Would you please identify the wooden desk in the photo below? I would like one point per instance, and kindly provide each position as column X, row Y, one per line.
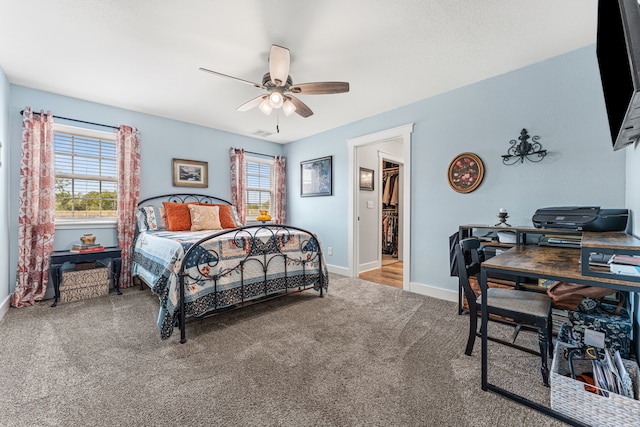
column 540, row 262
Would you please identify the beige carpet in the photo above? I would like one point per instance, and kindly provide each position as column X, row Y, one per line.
column 365, row 355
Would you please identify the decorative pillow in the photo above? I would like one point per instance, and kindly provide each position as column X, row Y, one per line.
column 204, row 217
column 178, row 216
column 226, row 218
column 236, row 219
column 151, row 218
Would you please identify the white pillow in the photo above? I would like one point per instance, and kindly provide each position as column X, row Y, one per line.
column 151, row 218
column 234, row 213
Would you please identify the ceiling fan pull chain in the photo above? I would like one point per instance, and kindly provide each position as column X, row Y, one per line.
column 277, row 122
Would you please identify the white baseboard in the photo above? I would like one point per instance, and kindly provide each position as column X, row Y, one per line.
column 432, row 291
column 4, row 307
column 339, row 270
column 368, row 266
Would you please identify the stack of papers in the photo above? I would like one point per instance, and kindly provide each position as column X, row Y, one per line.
column 610, row 375
column 507, row 236
column 625, row 264
column 628, row 270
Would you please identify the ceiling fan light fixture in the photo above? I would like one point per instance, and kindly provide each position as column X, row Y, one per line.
column 265, row 106
column 279, row 87
column 288, row 107
column 276, row 99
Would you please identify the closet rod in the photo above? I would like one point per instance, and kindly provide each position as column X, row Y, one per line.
column 79, row 121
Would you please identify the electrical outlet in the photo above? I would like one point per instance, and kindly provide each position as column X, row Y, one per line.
column 329, row 251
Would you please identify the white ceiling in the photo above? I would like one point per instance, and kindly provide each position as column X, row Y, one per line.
column 144, row 55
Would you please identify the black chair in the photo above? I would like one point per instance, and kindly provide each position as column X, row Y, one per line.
column 525, row 309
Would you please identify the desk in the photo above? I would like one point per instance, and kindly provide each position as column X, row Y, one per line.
column 539, row 262
column 58, row 258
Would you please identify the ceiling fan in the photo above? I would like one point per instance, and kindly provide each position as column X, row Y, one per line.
column 280, row 88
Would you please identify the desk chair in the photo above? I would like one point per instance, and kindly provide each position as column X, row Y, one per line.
column 527, row 310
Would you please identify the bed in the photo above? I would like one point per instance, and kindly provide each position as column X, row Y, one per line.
column 202, row 272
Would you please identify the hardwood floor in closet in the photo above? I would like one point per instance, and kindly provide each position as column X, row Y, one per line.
column 390, row 274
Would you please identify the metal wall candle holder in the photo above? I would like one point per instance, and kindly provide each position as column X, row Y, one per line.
column 524, row 149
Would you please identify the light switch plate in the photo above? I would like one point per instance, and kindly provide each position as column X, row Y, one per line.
column 370, row 204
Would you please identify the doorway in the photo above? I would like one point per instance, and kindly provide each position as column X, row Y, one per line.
column 366, row 259
column 389, row 265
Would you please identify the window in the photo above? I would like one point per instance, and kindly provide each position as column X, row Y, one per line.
column 85, row 174
column 259, row 186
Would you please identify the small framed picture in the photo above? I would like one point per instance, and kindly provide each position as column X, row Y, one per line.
column 315, row 177
column 366, row 179
column 190, row 173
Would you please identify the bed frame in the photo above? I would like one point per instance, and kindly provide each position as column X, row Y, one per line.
column 257, row 251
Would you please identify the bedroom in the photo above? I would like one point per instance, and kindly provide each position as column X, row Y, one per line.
column 558, row 98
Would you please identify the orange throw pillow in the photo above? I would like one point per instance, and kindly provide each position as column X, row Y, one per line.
column 178, row 216
column 225, row 215
column 226, row 218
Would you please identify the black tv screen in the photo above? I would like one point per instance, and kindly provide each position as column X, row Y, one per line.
column 618, row 52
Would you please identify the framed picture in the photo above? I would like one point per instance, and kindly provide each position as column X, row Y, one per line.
column 315, row 177
column 190, row 173
column 465, row 172
column 366, row 179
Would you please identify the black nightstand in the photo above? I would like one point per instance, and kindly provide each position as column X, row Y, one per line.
column 58, row 258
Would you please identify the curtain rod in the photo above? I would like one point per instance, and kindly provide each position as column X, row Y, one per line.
column 79, row 121
column 259, row 154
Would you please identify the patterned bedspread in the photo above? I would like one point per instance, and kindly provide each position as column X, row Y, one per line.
column 240, row 265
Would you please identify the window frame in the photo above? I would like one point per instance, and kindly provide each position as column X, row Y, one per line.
column 269, row 161
column 81, row 223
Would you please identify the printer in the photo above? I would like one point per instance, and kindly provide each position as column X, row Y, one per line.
column 582, row 218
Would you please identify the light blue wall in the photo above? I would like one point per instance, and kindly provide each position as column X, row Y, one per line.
column 559, row 99
column 4, row 190
column 161, row 140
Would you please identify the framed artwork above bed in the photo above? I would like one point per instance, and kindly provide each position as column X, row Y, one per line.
column 190, row 173
column 315, row 177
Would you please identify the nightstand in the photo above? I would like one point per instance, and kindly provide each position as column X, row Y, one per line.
column 58, row 258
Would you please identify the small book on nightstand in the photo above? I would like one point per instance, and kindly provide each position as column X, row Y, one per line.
column 81, row 249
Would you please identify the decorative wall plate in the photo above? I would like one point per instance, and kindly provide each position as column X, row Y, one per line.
column 465, row 172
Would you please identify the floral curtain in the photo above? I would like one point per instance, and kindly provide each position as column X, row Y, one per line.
column 37, row 208
column 128, row 158
column 280, row 198
column 238, row 194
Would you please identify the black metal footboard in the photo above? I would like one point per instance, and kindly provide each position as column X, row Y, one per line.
column 268, row 261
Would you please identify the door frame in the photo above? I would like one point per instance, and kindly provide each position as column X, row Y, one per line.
column 401, row 132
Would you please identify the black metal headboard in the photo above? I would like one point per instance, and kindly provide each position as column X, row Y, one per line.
column 185, row 198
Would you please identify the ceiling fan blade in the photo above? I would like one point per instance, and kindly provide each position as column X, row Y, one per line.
column 259, row 86
column 279, row 61
column 301, row 107
column 251, row 104
column 320, row 88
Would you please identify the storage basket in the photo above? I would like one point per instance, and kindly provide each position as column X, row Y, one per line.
column 83, row 284
column 569, row 397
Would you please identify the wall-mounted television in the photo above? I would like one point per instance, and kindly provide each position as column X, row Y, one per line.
column 618, row 52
